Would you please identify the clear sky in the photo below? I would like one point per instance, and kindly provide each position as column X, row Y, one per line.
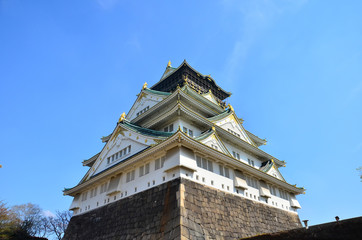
column 68, row 69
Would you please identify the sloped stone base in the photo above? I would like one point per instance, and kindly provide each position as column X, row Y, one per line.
column 180, row 209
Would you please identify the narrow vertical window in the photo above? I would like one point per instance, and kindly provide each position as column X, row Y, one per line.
column 163, row 159
column 198, row 161
column 157, row 164
column 147, row 168
column 221, row 169
column 227, row 174
column 209, row 166
column 141, row 171
column 204, row 163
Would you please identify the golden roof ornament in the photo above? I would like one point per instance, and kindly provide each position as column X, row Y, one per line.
column 144, row 85
column 185, row 79
column 169, row 64
column 213, row 128
column 230, row 107
column 123, row 116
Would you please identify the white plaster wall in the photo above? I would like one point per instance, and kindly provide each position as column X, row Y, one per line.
column 176, row 157
column 243, row 155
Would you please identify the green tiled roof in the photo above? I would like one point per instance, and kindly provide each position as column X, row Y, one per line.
column 204, row 135
column 145, row 131
column 156, row 92
column 221, row 115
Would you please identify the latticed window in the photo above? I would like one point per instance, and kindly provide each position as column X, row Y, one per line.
column 224, row 171
column 204, row 163
column 252, row 182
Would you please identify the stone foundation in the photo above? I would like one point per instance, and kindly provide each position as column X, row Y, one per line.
column 180, row 209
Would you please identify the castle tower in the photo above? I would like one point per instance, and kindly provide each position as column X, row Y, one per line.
column 180, row 165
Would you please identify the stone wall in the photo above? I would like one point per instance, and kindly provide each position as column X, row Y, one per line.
column 180, row 209
column 349, row 229
column 152, row 214
column 212, row 214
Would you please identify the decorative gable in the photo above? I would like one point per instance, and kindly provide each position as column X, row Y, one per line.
column 212, row 140
column 125, row 141
column 228, row 121
column 145, row 100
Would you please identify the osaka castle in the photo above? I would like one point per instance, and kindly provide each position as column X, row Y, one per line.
column 180, row 165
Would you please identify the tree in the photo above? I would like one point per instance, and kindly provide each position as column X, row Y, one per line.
column 59, row 223
column 8, row 221
column 32, row 220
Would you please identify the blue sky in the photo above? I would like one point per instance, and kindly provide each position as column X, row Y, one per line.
column 68, row 69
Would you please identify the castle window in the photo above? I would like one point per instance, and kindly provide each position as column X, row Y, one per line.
column 204, row 163
column 119, row 154
column 141, row 171
column 103, row 187
column 185, row 129
column 84, row 196
column 191, row 133
column 214, row 146
column 93, row 192
column 272, row 190
column 224, row 171
column 252, row 182
column 284, row 194
column 168, row 128
column 234, row 133
column 236, row 155
column 130, row 176
column 251, row 162
column 147, row 168
column 143, row 110
column 159, row 162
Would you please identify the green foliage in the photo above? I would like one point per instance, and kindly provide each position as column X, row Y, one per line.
column 360, row 170
column 9, row 223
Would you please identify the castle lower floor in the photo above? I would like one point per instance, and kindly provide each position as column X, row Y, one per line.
column 180, row 209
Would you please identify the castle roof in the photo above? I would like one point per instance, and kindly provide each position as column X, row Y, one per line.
column 174, row 77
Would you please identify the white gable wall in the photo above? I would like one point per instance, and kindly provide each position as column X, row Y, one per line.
column 230, row 123
column 147, row 100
